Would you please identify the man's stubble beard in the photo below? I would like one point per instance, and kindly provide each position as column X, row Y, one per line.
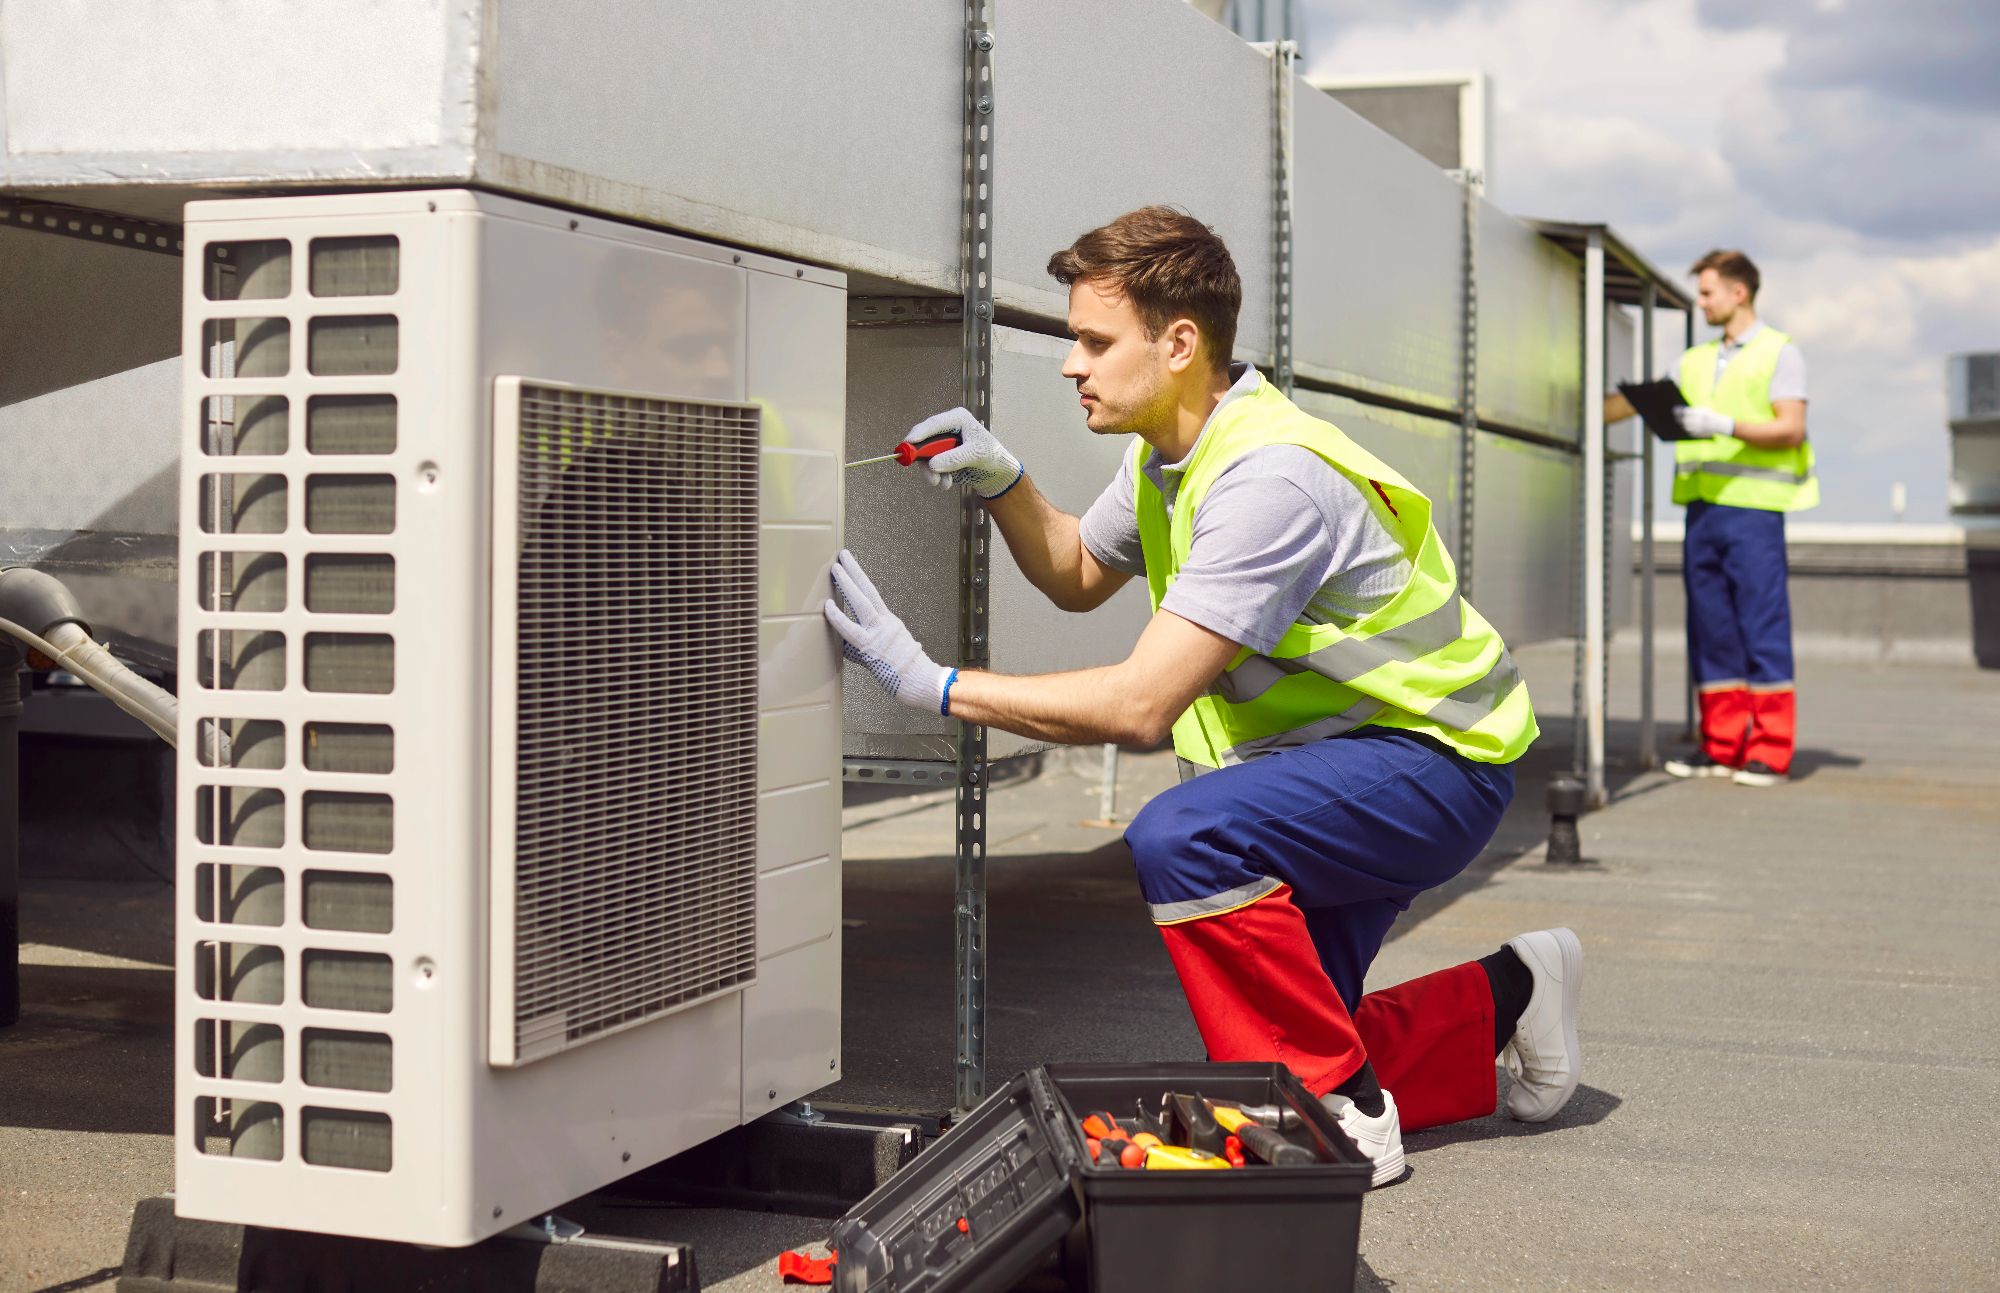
column 1152, row 411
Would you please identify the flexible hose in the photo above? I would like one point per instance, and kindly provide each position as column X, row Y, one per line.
column 69, row 646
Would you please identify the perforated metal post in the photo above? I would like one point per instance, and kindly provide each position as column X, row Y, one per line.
column 974, row 534
column 1468, row 408
column 1284, row 57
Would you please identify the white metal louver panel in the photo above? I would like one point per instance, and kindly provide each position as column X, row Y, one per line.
column 625, row 710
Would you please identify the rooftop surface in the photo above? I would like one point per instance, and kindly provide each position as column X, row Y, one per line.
column 1790, row 1019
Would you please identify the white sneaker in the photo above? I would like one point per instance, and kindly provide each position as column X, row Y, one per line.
column 1697, row 764
column 1379, row 1138
column 1543, row 1054
column 1758, row 773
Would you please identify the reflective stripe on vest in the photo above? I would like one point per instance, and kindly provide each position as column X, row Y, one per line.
column 1426, row 662
column 1743, row 469
column 1723, row 469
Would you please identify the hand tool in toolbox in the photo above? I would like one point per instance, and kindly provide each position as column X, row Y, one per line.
column 1026, row 1173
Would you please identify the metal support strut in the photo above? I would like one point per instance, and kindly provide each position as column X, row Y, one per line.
column 1589, row 751
column 1468, row 406
column 11, row 680
column 1649, row 753
column 1692, row 731
column 974, row 535
column 1284, row 56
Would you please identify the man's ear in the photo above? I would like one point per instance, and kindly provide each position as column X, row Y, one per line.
column 1183, row 344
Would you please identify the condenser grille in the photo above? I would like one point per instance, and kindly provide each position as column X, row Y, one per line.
column 635, row 852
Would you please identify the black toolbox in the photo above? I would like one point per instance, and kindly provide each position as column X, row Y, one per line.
column 981, row 1207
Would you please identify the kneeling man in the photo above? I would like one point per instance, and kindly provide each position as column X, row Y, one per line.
column 1346, row 722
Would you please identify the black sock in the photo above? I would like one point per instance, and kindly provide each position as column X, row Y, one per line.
column 1364, row 1090
column 1512, row 983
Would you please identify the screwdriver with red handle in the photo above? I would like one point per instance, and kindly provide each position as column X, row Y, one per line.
column 907, row 453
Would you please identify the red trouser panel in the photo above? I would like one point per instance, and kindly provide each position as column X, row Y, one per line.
column 1254, row 982
column 1431, row 1042
column 1773, row 718
column 1725, row 721
column 1739, row 724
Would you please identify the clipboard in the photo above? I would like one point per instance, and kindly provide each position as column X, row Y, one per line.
column 1655, row 403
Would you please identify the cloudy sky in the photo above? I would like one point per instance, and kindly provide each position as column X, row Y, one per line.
column 1852, row 147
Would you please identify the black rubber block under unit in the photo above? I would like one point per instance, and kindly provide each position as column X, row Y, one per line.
column 1012, row 1179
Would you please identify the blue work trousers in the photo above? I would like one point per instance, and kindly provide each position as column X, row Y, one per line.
column 1357, row 825
column 1739, row 613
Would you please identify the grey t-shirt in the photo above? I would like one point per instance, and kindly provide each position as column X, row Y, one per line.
column 1279, row 537
column 1788, row 380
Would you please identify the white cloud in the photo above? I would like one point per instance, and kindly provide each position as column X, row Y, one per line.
column 1853, row 149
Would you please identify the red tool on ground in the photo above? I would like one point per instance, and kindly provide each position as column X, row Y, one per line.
column 805, row 1268
column 907, row 453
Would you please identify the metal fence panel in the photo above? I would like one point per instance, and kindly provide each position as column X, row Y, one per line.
column 1524, row 560
column 1065, row 164
column 1530, row 329
column 1376, row 259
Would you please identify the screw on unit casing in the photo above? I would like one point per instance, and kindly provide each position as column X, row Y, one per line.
column 986, row 103
column 984, row 40
column 1565, row 806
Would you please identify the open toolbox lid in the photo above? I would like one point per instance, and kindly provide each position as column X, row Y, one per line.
column 976, row 1210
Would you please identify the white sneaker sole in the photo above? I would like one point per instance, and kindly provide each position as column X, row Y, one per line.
column 1757, row 779
column 1676, row 768
column 1570, row 952
column 1392, row 1166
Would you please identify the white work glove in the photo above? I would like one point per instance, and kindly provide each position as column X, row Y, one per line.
column 881, row 644
column 1699, row 421
column 979, row 461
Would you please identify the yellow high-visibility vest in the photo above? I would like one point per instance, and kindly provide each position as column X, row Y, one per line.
column 1724, row 469
column 1426, row 662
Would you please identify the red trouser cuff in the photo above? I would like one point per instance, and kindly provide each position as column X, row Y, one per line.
column 1254, row 982
column 1431, row 1042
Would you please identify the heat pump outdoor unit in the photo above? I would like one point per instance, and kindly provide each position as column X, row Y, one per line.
column 509, row 757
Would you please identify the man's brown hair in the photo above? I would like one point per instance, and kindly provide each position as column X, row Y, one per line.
column 1170, row 266
column 1732, row 265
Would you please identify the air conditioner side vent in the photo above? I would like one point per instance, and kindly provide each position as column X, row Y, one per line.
column 634, row 574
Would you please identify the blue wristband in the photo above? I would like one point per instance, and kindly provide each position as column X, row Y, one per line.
column 944, row 701
column 1017, row 480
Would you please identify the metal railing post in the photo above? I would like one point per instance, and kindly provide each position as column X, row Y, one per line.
column 10, row 831
column 1692, row 732
column 1468, row 399
column 1593, row 518
column 1649, row 756
column 974, row 534
column 1284, row 55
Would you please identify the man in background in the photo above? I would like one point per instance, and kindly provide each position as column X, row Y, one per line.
column 1747, row 466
